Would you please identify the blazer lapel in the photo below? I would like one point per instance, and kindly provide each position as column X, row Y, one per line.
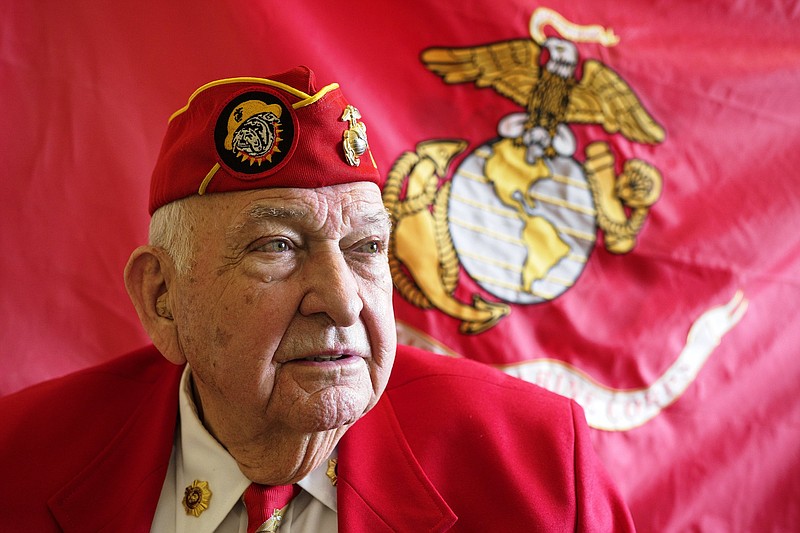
column 381, row 486
column 119, row 490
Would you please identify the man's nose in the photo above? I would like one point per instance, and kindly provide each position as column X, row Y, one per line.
column 332, row 289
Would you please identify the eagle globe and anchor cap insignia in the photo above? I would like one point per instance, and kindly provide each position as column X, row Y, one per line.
column 354, row 138
column 255, row 134
column 524, row 195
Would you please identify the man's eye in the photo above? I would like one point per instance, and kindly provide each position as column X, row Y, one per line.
column 276, row 246
column 372, row 247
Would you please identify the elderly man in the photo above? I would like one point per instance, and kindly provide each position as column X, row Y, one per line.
column 266, row 400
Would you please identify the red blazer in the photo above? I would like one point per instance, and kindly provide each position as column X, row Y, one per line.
column 451, row 446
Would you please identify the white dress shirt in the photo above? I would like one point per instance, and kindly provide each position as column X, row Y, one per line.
column 196, row 455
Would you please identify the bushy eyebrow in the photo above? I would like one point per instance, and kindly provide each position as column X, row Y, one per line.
column 258, row 212
column 380, row 217
column 261, row 212
column 266, row 212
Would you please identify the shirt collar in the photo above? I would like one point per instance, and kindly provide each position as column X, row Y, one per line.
column 319, row 485
column 199, row 456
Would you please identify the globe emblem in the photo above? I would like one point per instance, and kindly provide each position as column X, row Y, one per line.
column 493, row 238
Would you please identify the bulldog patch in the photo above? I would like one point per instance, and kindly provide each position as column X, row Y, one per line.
column 255, row 134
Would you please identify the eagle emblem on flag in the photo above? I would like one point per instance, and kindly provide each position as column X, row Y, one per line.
column 521, row 212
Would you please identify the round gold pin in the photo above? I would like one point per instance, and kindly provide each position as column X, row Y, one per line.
column 196, row 498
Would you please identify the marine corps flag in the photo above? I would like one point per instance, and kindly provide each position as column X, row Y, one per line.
column 598, row 197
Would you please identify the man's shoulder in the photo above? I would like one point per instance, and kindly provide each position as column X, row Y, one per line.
column 94, row 398
column 463, row 385
column 454, row 412
column 487, row 440
column 68, row 426
column 113, row 377
column 414, row 364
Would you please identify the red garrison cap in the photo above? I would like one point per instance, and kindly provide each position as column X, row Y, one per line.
column 253, row 133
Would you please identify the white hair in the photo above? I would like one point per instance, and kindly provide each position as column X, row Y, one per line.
column 172, row 228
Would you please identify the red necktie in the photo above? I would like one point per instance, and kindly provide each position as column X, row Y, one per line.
column 262, row 502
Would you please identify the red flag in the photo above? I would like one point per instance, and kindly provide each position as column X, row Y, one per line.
column 596, row 197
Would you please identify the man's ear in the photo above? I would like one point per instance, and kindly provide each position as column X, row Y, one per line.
column 148, row 276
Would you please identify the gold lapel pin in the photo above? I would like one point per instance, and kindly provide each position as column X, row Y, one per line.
column 196, row 498
column 332, row 471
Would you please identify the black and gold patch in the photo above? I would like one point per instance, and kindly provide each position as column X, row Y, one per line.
column 255, row 134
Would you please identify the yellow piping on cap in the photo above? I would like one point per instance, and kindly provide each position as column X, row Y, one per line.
column 204, row 184
column 306, row 99
column 311, row 99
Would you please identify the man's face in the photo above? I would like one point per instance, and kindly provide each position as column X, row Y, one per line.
column 286, row 314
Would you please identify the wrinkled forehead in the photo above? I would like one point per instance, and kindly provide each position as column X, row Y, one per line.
column 353, row 205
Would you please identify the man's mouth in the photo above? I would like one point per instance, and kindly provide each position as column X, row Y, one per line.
column 324, row 358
